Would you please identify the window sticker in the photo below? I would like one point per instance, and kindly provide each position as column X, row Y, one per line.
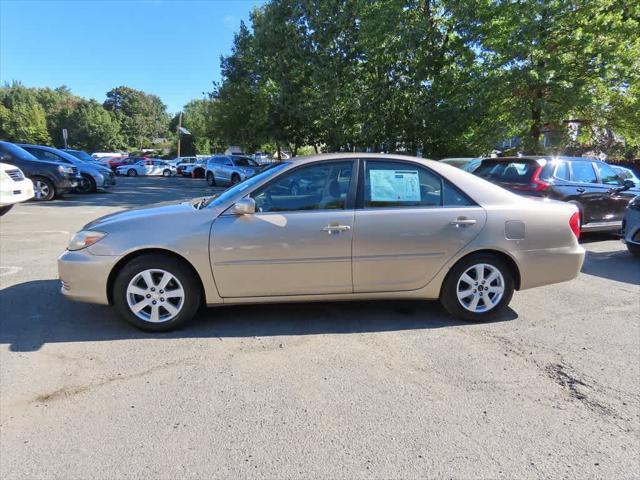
column 394, row 185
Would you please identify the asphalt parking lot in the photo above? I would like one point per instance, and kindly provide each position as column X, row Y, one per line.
column 354, row 390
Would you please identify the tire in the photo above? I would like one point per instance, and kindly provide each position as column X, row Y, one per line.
column 235, row 179
column 132, row 278
column 166, row 173
column 87, row 184
column 211, row 179
column 44, row 189
column 4, row 210
column 198, row 173
column 132, row 173
column 633, row 249
column 463, row 309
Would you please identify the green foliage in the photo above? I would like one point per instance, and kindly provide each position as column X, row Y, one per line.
column 22, row 118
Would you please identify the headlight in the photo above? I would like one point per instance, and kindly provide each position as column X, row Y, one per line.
column 84, row 239
column 65, row 169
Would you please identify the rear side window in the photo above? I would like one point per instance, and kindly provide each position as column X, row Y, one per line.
column 397, row 184
column 562, row 171
column 518, row 171
column 454, row 197
column 608, row 175
column 583, row 172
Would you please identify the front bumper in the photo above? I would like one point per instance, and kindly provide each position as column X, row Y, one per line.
column 631, row 226
column 68, row 184
column 84, row 276
column 15, row 192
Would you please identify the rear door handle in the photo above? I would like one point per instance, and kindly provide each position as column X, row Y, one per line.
column 331, row 229
column 580, row 190
column 463, row 222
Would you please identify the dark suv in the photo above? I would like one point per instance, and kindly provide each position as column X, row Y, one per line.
column 50, row 179
column 594, row 186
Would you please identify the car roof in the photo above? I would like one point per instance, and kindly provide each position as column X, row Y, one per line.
column 543, row 157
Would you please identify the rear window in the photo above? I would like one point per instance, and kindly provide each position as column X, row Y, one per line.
column 516, row 171
column 15, row 151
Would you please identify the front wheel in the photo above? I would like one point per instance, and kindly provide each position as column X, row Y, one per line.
column 166, row 173
column 477, row 288
column 43, row 189
column 156, row 293
column 4, row 210
column 211, row 180
column 87, row 184
column 633, row 249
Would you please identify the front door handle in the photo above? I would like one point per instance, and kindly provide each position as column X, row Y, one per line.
column 331, row 229
column 580, row 190
column 463, row 222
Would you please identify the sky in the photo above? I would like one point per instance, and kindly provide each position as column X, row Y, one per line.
column 170, row 48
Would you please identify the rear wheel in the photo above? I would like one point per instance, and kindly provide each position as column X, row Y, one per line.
column 235, row 179
column 132, row 173
column 211, row 179
column 477, row 288
column 87, row 184
column 43, row 189
column 5, row 209
column 166, row 173
column 156, row 293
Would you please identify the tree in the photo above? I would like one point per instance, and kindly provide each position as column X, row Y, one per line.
column 91, row 127
column 22, row 118
column 142, row 116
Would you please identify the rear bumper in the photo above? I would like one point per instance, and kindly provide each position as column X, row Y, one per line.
column 84, row 276
column 547, row 266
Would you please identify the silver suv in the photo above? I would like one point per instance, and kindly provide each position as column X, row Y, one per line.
column 230, row 169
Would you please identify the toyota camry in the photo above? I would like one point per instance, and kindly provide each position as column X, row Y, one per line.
column 357, row 226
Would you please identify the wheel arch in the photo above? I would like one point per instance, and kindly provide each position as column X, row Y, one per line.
column 513, row 266
column 145, row 251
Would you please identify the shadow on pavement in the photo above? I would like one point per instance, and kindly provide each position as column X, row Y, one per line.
column 35, row 313
column 620, row 266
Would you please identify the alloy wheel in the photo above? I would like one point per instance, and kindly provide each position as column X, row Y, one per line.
column 155, row 296
column 41, row 189
column 480, row 288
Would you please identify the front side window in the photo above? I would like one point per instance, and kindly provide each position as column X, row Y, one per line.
column 583, row 172
column 398, row 184
column 321, row 186
column 608, row 175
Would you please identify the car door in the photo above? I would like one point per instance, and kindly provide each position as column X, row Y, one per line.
column 408, row 223
column 226, row 167
column 617, row 198
column 293, row 245
column 588, row 193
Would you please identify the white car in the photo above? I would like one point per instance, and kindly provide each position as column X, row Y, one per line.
column 147, row 167
column 14, row 187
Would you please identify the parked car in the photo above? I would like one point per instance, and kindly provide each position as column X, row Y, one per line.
column 14, row 187
column 404, row 228
column 178, row 161
column 93, row 175
column 590, row 184
column 230, row 169
column 84, row 156
column 99, row 155
column 147, row 167
column 626, row 174
column 117, row 162
column 262, row 158
column 458, row 162
column 631, row 227
column 50, row 178
column 196, row 169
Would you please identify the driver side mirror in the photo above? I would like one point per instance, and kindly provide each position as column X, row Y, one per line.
column 244, row 206
column 628, row 184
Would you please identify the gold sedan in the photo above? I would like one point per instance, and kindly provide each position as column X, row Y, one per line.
column 327, row 227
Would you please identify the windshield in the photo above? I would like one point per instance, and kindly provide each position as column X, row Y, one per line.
column 242, row 186
column 84, row 156
column 245, row 162
column 516, row 171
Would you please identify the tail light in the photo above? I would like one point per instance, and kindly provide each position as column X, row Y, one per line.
column 574, row 224
column 537, row 184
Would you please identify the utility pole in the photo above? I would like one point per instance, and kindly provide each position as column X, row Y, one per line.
column 179, row 131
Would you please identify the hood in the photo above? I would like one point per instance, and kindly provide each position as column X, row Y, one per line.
column 160, row 212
